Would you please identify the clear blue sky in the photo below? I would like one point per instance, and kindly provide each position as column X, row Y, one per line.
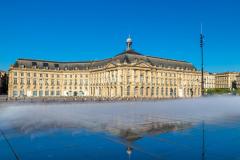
column 72, row 30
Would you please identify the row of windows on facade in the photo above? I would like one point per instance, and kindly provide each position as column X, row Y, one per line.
column 40, row 93
column 37, row 93
column 46, row 66
column 141, row 80
column 161, row 81
column 164, row 92
column 113, row 79
column 147, row 74
column 22, row 74
column 128, row 77
column 52, row 87
column 53, row 81
column 94, row 75
column 81, row 82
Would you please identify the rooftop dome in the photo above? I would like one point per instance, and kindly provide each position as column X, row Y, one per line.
column 129, row 40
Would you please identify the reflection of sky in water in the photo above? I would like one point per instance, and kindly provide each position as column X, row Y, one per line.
column 101, row 133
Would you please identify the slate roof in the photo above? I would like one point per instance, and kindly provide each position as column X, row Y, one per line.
column 129, row 56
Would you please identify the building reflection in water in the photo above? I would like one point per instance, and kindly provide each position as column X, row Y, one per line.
column 130, row 135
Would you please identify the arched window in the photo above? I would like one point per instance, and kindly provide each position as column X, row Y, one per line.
column 152, row 91
column 162, row 91
column 157, row 90
column 128, row 90
column 141, row 91
column 171, row 92
column 147, row 91
column 100, row 91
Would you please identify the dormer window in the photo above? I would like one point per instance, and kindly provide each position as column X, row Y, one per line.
column 65, row 68
column 45, row 66
column 56, row 66
column 34, row 65
column 22, row 66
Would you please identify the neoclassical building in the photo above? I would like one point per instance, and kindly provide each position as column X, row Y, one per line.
column 238, row 80
column 127, row 74
column 225, row 79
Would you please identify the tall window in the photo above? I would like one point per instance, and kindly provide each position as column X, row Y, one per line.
column 40, row 93
column 47, row 93
column 141, row 78
column 34, row 81
column 171, row 92
column 58, row 93
column 52, row 82
column 128, row 79
column 28, row 81
column 21, row 93
column 157, row 90
column 152, row 91
column 35, row 93
column 15, row 93
column 141, row 91
column 15, row 81
column 40, row 81
column 162, row 91
column 128, row 90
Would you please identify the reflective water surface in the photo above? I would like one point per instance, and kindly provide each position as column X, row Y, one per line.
column 133, row 133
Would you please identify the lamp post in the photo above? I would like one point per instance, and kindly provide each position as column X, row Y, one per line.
column 202, row 64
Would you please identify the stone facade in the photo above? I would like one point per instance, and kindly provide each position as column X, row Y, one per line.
column 3, row 82
column 225, row 80
column 209, row 80
column 128, row 74
column 238, row 80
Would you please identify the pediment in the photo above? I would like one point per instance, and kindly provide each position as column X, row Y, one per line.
column 143, row 64
column 110, row 65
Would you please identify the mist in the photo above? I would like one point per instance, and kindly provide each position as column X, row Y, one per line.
column 115, row 116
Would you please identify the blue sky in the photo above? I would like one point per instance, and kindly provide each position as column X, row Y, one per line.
column 73, row 30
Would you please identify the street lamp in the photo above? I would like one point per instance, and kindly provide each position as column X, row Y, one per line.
column 201, row 46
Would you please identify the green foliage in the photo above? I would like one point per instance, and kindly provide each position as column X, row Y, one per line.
column 238, row 91
column 218, row 91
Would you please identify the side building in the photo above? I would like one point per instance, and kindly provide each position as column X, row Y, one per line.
column 128, row 74
column 3, row 82
column 226, row 79
column 238, row 81
column 209, row 80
